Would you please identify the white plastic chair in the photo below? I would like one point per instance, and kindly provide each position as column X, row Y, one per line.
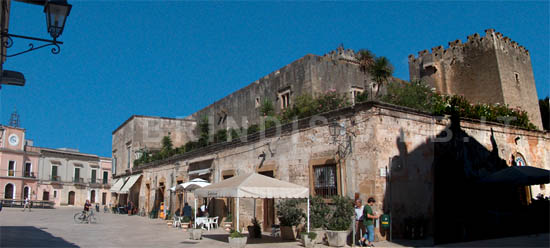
column 213, row 221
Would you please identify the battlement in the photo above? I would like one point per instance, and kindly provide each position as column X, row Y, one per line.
column 489, row 41
column 341, row 54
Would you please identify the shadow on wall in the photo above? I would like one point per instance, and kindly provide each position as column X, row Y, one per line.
column 435, row 191
column 29, row 236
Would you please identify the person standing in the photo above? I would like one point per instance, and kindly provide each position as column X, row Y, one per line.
column 368, row 220
column 359, row 226
column 27, row 204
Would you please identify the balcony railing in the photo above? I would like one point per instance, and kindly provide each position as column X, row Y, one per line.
column 55, row 178
column 28, row 174
column 93, row 180
column 78, row 180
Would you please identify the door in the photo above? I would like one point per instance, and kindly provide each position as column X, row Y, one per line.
column 269, row 207
column 71, row 198
column 76, row 175
column 92, row 196
column 8, row 191
column 54, row 173
column 46, row 196
column 104, row 198
column 94, row 176
column 25, row 192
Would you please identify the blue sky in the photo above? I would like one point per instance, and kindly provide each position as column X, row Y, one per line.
column 173, row 58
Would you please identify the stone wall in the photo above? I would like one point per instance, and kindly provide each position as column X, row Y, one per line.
column 310, row 74
column 387, row 139
column 145, row 132
column 469, row 69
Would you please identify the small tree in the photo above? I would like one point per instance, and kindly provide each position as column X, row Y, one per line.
column 318, row 212
column 342, row 213
column 289, row 213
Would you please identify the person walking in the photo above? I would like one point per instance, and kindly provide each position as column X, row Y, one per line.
column 27, row 204
column 368, row 219
column 359, row 226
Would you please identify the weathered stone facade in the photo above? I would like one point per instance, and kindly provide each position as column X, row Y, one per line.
column 386, row 139
column 310, row 74
column 146, row 132
column 490, row 69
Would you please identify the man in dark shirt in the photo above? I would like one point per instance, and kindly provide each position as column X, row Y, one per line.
column 187, row 211
column 87, row 206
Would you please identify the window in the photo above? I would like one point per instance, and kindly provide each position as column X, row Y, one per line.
column 355, row 91
column 55, row 194
column 76, row 175
column 128, row 158
column 113, row 167
column 28, row 169
column 325, row 181
column 11, row 168
column 105, row 177
column 284, row 97
column 54, row 173
column 258, row 104
column 516, row 76
column 94, row 176
column 222, row 116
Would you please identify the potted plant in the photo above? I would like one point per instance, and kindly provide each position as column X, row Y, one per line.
column 318, row 216
column 289, row 215
column 340, row 221
column 255, row 231
column 196, row 233
column 236, row 239
column 169, row 220
column 228, row 222
column 308, row 239
column 185, row 222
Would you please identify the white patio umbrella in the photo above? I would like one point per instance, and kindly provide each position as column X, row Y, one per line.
column 254, row 185
column 192, row 185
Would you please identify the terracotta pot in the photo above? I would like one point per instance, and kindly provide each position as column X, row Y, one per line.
column 320, row 235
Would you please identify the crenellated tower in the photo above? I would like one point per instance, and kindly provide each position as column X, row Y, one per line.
column 489, row 69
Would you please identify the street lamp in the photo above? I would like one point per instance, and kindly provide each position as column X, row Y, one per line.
column 56, row 12
column 341, row 137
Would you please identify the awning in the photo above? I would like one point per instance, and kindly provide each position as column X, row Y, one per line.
column 133, row 179
column 118, row 184
column 253, row 185
column 200, row 172
column 519, row 176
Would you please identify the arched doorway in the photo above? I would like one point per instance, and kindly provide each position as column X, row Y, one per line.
column 26, row 192
column 92, row 196
column 9, row 191
column 71, row 198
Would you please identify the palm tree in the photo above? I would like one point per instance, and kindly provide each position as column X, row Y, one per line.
column 365, row 58
column 381, row 70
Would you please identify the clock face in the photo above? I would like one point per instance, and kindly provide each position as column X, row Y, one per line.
column 13, row 139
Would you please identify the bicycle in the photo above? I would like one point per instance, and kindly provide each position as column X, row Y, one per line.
column 82, row 217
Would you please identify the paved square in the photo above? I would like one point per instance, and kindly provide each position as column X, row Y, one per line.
column 56, row 228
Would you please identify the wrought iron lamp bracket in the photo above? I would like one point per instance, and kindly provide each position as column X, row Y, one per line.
column 7, row 42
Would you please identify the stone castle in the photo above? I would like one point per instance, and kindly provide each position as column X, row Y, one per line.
column 490, row 69
column 383, row 139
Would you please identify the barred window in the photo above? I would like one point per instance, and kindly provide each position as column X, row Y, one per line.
column 325, row 183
